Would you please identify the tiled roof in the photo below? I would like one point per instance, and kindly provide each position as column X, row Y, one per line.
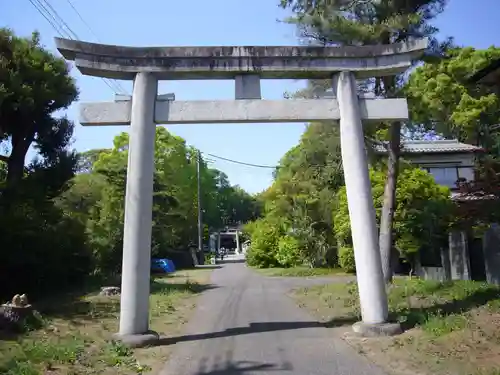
column 433, row 147
column 476, row 196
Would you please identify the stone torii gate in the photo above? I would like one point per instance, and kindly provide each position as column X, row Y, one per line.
column 246, row 66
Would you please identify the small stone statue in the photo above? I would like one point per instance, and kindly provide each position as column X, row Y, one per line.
column 110, row 291
column 16, row 300
column 15, row 312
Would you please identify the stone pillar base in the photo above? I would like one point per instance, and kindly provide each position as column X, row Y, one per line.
column 377, row 330
column 139, row 340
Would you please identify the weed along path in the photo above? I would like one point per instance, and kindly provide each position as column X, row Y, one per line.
column 74, row 336
column 452, row 328
column 246, row 324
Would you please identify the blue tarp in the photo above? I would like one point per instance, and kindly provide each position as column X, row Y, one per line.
column 163, row 265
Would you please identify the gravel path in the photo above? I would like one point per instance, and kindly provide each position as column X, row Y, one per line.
column 247, row 325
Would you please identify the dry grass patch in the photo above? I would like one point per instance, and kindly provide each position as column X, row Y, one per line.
column 451, row 328
column 301, row 272
column 75, row 336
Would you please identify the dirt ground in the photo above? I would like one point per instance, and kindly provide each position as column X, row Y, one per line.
column 451, row 328
column 75, row 336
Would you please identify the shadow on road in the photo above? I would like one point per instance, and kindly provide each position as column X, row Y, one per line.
column 229, row 260
column 241, row 367
column 231, row 367
column 258, row 327
column 191, row 287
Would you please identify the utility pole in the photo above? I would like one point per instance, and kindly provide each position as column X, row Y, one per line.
column 200, row 219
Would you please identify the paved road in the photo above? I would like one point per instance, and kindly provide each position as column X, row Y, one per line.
column 247, row 325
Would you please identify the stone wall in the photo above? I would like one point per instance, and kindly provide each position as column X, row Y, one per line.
column 458, row 256
column 491, row 251
column 456, row 264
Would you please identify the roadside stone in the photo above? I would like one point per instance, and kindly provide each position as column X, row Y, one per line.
column 15, row 313
column 110, row 291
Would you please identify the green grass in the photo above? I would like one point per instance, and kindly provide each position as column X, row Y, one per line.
column 452, row 326
column 76, row 339
column 300, row 271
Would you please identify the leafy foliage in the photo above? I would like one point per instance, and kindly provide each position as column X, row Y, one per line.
column 423, row 211
column 174, row 201
column 265, row 234
column 443, row 96
column 61, row 216
column 346, row 258
column 301, row 197
column 288, row 254
column 35, row 84
column 358, row 23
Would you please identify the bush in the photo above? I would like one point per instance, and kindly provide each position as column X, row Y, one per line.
column 346, row 259
column 288, row 254
column 422, row 213
column 265, row 236
column 42, row 249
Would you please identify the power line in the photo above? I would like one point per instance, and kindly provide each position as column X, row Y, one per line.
column 49, row 20
column 115, row 84
column 64, row 30
column 243, row 163
column 82, row 19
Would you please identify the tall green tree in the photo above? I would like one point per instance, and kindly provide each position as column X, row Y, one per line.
column 443, row 97
column 96, row 197
column 34, row 85
column 41, row 243
column 301, row 199
column 422, row 215
column 372, row 22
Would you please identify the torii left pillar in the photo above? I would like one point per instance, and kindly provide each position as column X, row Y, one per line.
column 136, row 266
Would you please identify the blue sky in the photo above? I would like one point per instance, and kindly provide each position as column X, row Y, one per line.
column 215, row 22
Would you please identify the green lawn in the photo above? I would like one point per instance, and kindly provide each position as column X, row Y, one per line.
column 300, row 271
column 75, row 337
column 451, row 328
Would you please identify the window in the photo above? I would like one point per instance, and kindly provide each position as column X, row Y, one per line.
column 467, row 173
column 445, row 176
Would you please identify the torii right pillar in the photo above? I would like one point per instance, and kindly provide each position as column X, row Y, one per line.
column 371, row 287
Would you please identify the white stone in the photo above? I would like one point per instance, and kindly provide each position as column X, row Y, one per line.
column 242, row 111
column 372, row 294
column 134, row 306
column 227, row 62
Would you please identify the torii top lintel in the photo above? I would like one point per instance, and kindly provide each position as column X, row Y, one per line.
column 219, row 62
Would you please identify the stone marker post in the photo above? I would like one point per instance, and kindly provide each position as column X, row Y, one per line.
column 238, row 248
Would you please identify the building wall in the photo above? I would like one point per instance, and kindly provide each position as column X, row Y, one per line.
column 460, row 159
column 446, row 168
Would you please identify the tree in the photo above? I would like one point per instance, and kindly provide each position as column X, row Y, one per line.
column 442, row 96
column 61, row 215
column 351, row 22
column 87, row 159
column 422, row 214
column 96, row 197
column 35, row 84
column 299, row 203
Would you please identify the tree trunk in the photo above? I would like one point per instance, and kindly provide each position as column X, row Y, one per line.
column 387, row 217
column 15, row 163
